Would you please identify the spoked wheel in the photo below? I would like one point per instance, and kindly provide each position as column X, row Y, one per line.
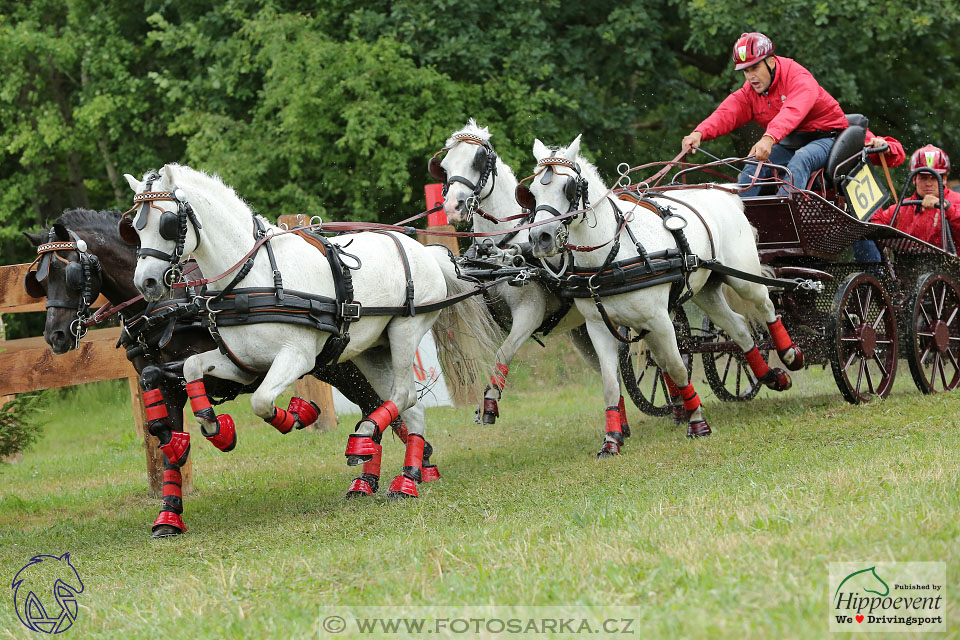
column 862, row 338
column 642, row 377
column 933, row 349
column 728, row 373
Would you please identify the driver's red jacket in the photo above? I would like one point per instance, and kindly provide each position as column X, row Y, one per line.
column 924, row 223
column 795, row 101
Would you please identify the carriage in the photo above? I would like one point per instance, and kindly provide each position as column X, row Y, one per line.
column 861, row 318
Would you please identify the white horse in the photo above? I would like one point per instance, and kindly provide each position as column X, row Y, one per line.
column 478, row 185
column 563, row 181
column 183, row 211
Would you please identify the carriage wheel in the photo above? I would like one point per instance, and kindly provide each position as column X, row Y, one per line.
column 933, row 349
column 642, row 377
column 862, row 337
column 728, row 373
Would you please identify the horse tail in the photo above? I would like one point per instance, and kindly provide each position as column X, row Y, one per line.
column 466, row 335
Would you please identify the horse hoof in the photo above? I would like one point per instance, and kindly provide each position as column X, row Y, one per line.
column 608, row 450
column 777, row 379
column 488, row 418
column 797, row 363
column 698, row 429
column 165, row 531
column 362, row 487
column 430, row 473
column 402, row 487
column 360, row 449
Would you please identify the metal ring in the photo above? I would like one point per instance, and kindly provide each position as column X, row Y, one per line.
column 283, row 225
column 318, row 219
column 172, row 276
column 212, row 312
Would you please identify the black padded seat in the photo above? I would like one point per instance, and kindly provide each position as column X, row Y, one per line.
column 850, row 141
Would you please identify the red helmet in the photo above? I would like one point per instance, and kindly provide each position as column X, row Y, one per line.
column 932, row 157
column 751, row 48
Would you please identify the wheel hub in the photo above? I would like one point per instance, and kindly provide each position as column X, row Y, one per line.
column 941, row 335
column 868, row 340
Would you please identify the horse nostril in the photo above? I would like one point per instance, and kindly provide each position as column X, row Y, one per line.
column 150, row 283
column 58, row 337
column 460, row 204
column 545, row 240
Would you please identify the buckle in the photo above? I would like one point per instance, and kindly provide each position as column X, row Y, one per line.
column 350, row 311
column 691, row 262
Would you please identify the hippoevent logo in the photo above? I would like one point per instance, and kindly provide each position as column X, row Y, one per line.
column 888, row 596
column 742, row 52
column 45, row 593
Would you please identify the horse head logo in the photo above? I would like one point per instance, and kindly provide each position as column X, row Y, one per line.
column 866, row 580
column 44, row 580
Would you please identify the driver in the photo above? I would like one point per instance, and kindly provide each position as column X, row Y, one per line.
column 923, row 221
column 801, row 119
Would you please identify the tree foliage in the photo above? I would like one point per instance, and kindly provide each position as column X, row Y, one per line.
column 333, row 108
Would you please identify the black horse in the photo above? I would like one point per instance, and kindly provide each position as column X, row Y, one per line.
column 81, row 256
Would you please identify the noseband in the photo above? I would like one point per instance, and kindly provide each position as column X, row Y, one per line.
column 173, row 226
column 484, row 161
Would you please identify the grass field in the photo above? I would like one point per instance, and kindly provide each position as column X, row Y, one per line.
column 725, row 537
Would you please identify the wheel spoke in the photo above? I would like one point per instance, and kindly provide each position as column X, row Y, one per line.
column 726, row 370
column 863, row 364
column 933, row 372
column 923, row 310
column 943, row 373
column 883, row 310
column 739, row 375
column 953, row 315
column 849, row 362
column 866, row 305
column 866, row 370
column 943, row 295
column 883, row 369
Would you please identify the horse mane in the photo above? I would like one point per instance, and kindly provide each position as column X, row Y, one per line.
column 90, row 219
column 213, row 185
column 472, row 129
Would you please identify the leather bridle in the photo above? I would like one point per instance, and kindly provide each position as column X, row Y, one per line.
column 484, row 162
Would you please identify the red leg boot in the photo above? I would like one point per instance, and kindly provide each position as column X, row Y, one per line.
column 613, row 439
column 361, row 448
column 773, row 378
column 405, row 484
column 696, row 428
column 299, row 414
column 170, row 521
column 367, row 483
column 789, row 353
column 224, row 435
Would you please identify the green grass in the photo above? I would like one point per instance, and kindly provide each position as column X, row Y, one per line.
column 724, row 537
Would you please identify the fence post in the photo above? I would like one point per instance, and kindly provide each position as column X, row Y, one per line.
column 151, row 446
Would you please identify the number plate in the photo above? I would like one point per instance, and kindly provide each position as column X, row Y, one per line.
column 864, row 192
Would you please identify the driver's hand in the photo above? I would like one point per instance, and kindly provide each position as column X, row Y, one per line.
column 930, row 202
column 761, row 150
column 693, row 140
column 876, row 142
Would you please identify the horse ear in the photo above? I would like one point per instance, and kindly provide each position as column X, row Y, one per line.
column 540, row 150
column 135, row 184
column 61, row 231
column 66, row 556
column 36, row 239
column 573, row 150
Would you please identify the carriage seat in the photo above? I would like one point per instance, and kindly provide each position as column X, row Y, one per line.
column 850, row 141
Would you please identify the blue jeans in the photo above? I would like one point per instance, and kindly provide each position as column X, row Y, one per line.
column 801, row 163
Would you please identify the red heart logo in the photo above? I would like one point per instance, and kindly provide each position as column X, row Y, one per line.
column 859, row 618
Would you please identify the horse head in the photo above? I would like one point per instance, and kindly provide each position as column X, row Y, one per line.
column 558, row 187
column 468, row 170
column 164, row 224
column 70, row 278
